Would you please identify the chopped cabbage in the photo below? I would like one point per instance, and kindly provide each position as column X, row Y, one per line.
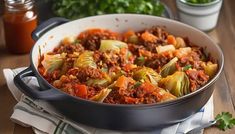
column 148, row 74
column 169, row 68
column 101, row 95
column 114, row 45
column 53, row 62
column 85, row 60
column 177, row 83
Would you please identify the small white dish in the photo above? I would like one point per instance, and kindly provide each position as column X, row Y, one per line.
column 201, row 16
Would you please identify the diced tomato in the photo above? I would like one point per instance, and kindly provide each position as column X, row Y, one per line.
column 130, row 100
column 80, row 90
column 123, row 50
column 148, row 87
column 146, row 36
column 122, row 82
column 128, row 34
column 95, row 31
column 171, row 40
column 145, row 53
column 129, row 67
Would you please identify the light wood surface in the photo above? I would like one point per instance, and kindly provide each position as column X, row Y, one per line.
column 224, row 94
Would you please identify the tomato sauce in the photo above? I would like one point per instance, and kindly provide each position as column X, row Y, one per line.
column 18, row 26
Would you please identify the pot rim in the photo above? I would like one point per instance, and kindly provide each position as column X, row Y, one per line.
column 200, row 5
column 140, row 106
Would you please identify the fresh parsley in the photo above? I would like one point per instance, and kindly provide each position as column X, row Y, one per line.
column 77, row 42
column 187, row 67
column 74, row 9
column 225, row 121
column 137, row 84
column 140, row 61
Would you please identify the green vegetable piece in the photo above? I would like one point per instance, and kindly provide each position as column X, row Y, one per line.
column 85, row 60
column 140, row 61
column 133, row 39
column 99, row 82
column 115, row 76
column 137, row 84
column 114, row 45
column 187, row 67
column 104, row 69
column 147, row 74
column 128, row 54
column 166, row 96
column 53, row 62
column 169, row 68
column 177, row 83
column 225, row 121
column 210, row 69
column 77, row 42
column 101, row 95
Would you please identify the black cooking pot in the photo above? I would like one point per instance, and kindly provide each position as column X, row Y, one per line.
column 116, row 116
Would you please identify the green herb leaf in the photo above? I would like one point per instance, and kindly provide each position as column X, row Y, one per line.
column 140, row 61
column 77, row 42
column 225, row 121
column 137, row 84
column 187, row 67
column 74, row 9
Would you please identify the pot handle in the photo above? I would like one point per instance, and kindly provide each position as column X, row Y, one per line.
column 50, row 94
column 47, row 25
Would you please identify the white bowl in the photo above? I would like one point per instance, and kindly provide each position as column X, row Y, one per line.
column 201, row 16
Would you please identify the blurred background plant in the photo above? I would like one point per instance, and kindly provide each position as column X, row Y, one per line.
column 73, row 9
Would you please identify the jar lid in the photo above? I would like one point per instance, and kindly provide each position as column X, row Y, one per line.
column 18, row 5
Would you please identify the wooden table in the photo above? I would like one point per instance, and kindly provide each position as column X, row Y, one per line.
column 224, row 94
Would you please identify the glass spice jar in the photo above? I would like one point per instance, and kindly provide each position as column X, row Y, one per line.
column 19, row 20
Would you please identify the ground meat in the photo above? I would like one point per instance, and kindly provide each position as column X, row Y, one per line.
column 149, row 98
column 161, row 35
column 68, row 48
column 135, row 48
column 109, row 59
column 160, row 32
column 131, row 96
column 114, row 98
column 157, row 61
column 92, row 91
column 193, row 58
column 91, row 38
column 197, row 78
column 83, row 74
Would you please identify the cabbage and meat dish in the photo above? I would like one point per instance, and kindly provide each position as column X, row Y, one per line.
column 134, row 67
